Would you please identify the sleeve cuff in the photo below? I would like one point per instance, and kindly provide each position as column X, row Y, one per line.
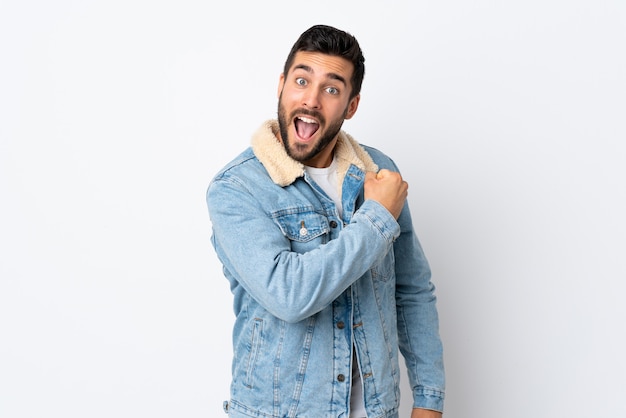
column 428, row 399
column 381, row 218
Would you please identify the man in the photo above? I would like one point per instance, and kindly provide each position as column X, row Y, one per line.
column 316, row 239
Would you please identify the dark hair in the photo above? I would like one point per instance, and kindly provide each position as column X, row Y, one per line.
column 331, row 41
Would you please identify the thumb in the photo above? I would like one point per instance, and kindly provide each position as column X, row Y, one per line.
column 382, row 174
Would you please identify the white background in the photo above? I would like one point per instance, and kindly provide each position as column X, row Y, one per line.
column 507, row 119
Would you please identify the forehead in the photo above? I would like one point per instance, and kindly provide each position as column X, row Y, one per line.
column 323, row 65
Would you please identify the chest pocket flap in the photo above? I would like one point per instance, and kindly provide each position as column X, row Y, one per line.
column 302, row 225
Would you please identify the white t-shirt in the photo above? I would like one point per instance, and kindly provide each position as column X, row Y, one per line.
column 357, row 405
column 326, row 178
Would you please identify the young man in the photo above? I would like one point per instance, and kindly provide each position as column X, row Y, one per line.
column 316, row 239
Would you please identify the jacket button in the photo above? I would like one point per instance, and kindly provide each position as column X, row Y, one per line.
column 341, row 378
column 341, row 325
column 333, row 224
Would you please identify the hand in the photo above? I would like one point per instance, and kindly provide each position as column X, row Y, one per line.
column 388, row 189
column 425, row 413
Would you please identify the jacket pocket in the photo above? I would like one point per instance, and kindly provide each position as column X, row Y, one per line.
column 256, row 340
column 305, row 228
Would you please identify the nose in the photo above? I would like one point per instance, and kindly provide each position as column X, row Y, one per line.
column 310, row 99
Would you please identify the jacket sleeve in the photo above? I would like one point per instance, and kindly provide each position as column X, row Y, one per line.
column 418, row 323
column 290, row 285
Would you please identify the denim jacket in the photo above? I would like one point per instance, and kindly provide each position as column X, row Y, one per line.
column 309, row 285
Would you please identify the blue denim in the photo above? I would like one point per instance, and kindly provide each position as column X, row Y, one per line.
column 309, row 286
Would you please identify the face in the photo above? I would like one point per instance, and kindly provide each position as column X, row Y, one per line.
column 313, row 101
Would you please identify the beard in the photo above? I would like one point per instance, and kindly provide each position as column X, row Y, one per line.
column 301, row 152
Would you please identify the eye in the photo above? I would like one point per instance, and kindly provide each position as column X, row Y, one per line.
column 300, row 81
column 332, row 90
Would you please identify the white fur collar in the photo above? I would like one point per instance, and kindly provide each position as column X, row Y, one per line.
column 284, row 170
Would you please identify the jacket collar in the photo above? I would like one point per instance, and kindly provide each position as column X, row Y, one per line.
column 283, row 170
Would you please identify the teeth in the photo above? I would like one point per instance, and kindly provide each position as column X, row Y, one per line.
column 306, row 120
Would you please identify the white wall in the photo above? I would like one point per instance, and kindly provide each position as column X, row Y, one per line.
column 507, row 118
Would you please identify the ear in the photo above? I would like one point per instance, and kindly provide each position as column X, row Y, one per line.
column 281, row 83
column 353, row 106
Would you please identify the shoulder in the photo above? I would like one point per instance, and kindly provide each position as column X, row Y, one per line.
column 380, row 158
column 238, row 166
column 244, row 173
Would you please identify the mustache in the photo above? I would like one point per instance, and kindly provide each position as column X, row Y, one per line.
column 307, row 112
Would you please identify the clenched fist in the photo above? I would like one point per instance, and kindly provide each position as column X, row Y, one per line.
column 387, row 188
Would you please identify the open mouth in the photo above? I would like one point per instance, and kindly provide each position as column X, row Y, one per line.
column 305, row 127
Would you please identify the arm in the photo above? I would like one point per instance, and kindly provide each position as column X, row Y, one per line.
column 418, row 323
column 292, row 286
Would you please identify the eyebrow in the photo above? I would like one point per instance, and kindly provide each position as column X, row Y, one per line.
column 333, row 76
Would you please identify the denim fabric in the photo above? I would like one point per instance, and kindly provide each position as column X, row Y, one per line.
column 308, row 286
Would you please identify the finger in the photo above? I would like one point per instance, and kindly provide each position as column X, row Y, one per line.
column 382, row 173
